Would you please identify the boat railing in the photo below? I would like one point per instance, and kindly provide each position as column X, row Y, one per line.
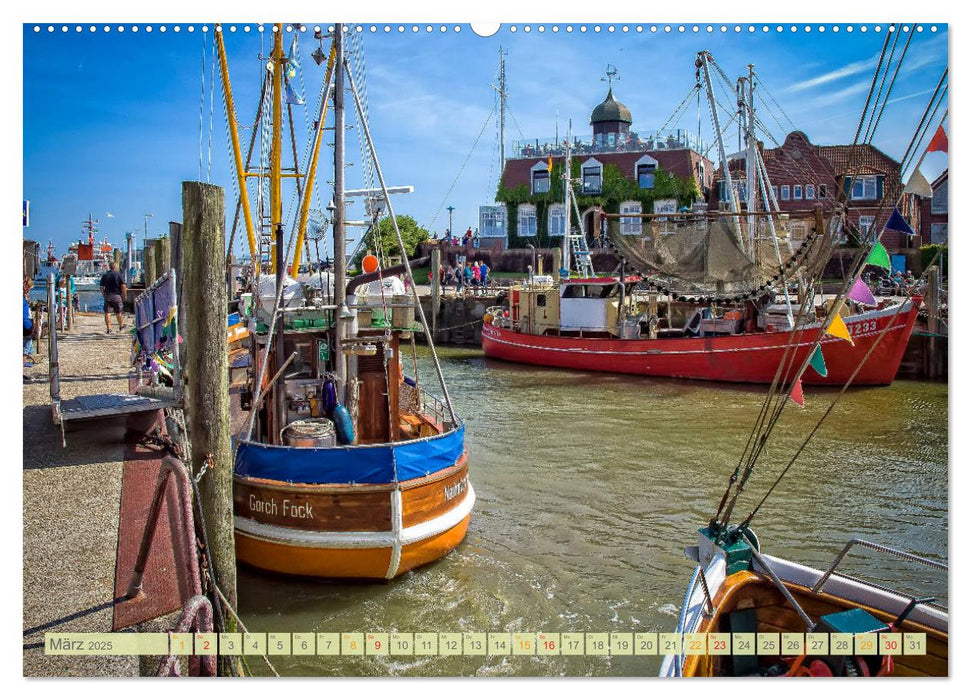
column 433, row 407
column 883, row 549
column 497, row 318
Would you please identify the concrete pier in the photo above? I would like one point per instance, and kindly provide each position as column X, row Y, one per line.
column 71, row 506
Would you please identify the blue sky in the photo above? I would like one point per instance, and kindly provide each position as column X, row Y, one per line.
column 112, row 120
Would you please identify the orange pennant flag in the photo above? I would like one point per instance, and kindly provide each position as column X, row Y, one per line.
column 796, row 393
column 550, row 165
column 939, row 142
column 838, row 329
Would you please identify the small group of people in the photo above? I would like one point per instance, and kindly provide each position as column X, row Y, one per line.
column 465, row 275
column 896, row 283
column 469, row 238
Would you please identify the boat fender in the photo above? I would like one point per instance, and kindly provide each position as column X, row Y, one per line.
column 329, row 397
column 343, row 425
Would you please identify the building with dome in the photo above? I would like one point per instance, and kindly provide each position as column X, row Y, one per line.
column 616, row 169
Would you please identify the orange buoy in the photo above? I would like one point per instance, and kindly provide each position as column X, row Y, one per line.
column 369, row 264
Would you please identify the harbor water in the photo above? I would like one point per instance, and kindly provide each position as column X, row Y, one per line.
column 90, row 300
column 589, row 486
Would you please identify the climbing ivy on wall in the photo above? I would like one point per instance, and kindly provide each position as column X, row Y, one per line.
column 615, row 189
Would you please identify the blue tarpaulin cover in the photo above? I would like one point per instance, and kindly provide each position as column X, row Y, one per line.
column 357, row 464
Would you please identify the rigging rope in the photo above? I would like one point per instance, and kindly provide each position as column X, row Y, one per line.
column 462, row 167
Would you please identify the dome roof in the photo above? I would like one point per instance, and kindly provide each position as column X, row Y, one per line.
column 610, row 110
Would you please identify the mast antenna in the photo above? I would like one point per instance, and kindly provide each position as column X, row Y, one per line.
column 503, row 96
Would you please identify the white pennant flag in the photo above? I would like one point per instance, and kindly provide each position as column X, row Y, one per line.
column 917, row 184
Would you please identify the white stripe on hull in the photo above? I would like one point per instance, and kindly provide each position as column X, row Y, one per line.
column 396, row 539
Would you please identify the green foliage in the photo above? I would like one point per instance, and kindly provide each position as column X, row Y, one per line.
column 927, row 254
column 615, row 189
column 384, row 243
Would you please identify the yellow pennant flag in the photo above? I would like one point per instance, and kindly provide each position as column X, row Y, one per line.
column 838, row 328
column 550, row 165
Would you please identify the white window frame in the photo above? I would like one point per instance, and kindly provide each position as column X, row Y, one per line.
column 775, row 192
column 810, row 191
column 556, row 212
column 540, row 167
column 630, row 225
column 525, row 213
column 865, row 225
column 865, row 182
column 784, row 191
column 648, row 161
column 797, row 191
column 939, row 200
column 590, row 164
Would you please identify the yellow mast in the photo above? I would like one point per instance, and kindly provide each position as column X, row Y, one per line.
column 311, row 173
column 237, row 153
column 276, row 196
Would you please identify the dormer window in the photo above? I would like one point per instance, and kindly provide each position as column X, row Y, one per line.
column 810, row 192
column 644, row 171
column 864, row 187
column 785, row 192
column 540, row 178
column 797, row 191
column 592, row 172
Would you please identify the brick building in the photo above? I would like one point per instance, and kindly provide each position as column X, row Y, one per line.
column 617, row 169
column 804, row 175
column 933, row 217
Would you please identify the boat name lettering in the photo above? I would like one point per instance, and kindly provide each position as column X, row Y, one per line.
column 290, row 510
column 455, row 489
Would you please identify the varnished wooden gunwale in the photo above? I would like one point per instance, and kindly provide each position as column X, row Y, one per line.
column 774, row 614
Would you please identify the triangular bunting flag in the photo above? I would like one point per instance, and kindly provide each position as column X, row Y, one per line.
column 879, row 256
column 898, row 223
column 861, row 294
column 838, row 329
column 549, row 164
column 796, row 393
column 817, row 362
column 939, row 142
column 918, row 184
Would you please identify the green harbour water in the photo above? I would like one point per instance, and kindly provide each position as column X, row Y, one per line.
column 588, row 488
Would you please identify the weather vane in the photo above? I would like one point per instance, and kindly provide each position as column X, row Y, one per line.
column 611, row 75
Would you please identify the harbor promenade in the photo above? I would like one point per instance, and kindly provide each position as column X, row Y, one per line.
column 72, row 505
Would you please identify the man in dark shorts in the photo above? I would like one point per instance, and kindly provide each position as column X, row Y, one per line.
column 113, row 289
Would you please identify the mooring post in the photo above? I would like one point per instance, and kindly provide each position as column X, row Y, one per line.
column 70, row 302
column 163, row 258
column 148, row 262
column 207, row 369
column 436, row 289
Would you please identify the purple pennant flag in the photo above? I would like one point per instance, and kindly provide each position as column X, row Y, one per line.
column 861, row 294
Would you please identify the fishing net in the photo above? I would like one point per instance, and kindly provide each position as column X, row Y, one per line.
column 713, row 254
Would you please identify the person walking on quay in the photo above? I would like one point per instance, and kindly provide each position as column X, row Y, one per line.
column 483, row 274
column 114, row 290
column 476, row 278
column 467, row 273
column 28, row 326
column 449, row 277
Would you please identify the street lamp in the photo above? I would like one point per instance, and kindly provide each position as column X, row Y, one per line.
column 450, row 210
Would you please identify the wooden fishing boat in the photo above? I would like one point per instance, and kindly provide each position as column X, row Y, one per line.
column 737, row 589
column 345, row 467
column 531, row 330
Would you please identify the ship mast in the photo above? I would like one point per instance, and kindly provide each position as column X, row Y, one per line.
column 340, row 243
column 567, row 190
column 278, row 62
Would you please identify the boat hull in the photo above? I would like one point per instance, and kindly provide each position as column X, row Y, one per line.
column 745, row 358
column 351, row 530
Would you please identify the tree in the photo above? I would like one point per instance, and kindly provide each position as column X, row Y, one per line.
column 383, row 242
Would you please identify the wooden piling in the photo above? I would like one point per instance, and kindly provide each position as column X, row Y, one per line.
column 933, row 306
column 163, row 260
column 148, row 263
column 436, row 290
column 207, row 369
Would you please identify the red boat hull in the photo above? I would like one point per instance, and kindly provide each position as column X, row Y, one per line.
column 747, row 358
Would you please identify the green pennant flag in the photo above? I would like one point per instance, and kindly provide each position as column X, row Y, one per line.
column 817, row 362
column 879, row 256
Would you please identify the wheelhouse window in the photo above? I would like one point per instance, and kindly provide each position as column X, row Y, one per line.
column 556, row 225
column 630, row 225
column 864, row 187
column 526, row 220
